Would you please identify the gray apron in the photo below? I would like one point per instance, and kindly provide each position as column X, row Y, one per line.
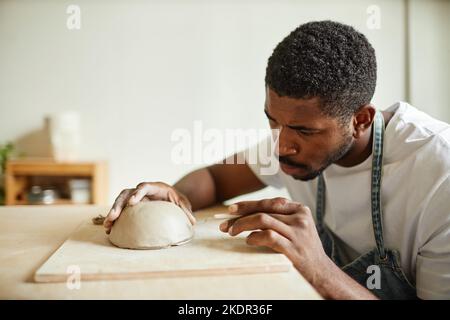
column 393, row 283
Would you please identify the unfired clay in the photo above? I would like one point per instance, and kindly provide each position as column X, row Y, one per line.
column 151, row 225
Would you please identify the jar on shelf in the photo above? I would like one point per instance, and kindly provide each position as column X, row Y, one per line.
column 80, row 191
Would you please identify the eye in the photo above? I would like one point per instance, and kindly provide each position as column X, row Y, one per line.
column 305, row 132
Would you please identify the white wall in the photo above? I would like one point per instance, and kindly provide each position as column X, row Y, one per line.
column 138, row 69
column 430, row 56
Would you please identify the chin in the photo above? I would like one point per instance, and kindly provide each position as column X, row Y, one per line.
column 307, row 177
column 301, row 173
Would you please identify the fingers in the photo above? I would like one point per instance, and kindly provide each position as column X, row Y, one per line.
column 154, row 191
column 173, row 197
column 181, row 201
column 188, row 213
column 270, row 239
column 260, row 221
column 275, row 205
column 116, row 209
column 224, row 226
column 161, row 191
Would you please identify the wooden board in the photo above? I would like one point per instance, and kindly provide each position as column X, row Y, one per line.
column 211, row 252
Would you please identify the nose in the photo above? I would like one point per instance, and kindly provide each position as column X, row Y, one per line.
column 286, row 147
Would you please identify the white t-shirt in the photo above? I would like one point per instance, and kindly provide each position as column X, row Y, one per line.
column 415, row 198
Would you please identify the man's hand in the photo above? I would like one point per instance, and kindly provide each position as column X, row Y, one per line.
column 147, row 191
column 286, row 227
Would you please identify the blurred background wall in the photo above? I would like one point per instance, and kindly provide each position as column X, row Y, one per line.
column 136, row 70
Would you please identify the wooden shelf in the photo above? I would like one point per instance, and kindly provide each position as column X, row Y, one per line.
column 57, row 202
column 21, row 174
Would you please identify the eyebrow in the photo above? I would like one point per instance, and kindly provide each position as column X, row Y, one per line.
column 292, row 127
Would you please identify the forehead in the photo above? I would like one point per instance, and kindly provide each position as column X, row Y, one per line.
column 292, row 107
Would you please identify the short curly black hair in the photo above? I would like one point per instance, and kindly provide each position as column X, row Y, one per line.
column 328, row 60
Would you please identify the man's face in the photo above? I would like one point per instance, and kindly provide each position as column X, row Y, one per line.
column 309, row 141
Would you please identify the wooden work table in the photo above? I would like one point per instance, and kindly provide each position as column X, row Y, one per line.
column 30, row 234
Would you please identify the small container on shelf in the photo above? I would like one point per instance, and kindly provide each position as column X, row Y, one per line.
column 37, row 195
column 80, row 191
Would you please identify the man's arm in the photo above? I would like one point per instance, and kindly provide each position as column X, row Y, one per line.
column 217, row 183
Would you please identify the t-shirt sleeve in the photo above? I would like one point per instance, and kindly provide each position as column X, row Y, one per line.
column 263, row 163
column 433, row 260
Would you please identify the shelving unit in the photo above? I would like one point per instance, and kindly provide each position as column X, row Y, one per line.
column 22, row 174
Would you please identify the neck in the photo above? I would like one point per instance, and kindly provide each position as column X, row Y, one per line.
column 362, row 147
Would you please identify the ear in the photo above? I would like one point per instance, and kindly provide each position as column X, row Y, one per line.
column 362, row 120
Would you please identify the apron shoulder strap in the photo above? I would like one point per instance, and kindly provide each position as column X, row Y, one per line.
column 377, row 167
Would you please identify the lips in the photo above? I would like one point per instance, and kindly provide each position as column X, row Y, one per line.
column 288, row 169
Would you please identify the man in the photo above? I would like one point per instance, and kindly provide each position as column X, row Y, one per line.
column 370, row 190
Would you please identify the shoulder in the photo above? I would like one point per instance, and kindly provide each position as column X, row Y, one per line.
column 412, row 133
column 411, row 123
